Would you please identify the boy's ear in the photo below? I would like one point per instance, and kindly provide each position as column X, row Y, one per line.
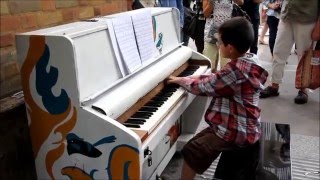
column 231, row 48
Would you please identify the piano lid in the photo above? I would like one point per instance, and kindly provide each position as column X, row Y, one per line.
column 92, row 59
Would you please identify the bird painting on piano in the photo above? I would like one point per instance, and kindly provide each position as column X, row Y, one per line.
column 160, row 43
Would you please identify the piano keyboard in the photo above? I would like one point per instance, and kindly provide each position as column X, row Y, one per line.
column 152, row 112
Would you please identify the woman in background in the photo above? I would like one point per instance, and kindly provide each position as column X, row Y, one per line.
column 220, row 11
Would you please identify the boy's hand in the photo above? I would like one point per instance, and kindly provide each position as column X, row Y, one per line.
column 172, row 79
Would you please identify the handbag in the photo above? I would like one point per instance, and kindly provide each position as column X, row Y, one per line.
column 190, row 22
column 238, row 11
column 308, row 70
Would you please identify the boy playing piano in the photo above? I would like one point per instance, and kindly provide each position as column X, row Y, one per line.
column 233, row 114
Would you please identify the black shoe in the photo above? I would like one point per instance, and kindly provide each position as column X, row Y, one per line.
column 301, row 98
column 269, row 91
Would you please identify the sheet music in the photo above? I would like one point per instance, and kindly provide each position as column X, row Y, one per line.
column 124, row 32
column 142, row 23
column 116, row 49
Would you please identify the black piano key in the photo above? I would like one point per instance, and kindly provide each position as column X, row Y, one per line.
column 139, row 119
column 140, row 116
column 189, row 71
column 165, row 94
column 135, row 122
column 195, row 67
column 170, row 90
column 144, row 113
column 153, row 104
column 131, row 125
column 161, row 99
column 148, row 109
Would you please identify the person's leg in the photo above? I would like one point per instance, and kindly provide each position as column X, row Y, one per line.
column 281, row 52
column 184, row 38
column 199, row 41
column 283, row 44
column 273, row 23
column 212, row 52
column 187, row 172
column 254, row 46
column 263, row 33
column 201, row 151
column 303, row 42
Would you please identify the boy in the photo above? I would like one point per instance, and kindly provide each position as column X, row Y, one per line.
column 233, row 114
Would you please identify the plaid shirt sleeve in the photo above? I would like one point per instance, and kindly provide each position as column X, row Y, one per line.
column 215, row 85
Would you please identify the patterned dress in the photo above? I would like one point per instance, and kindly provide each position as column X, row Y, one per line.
column 222, row 10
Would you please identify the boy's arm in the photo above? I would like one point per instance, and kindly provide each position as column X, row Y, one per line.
column 257, row 1
column 207, row 8
column 217, row 85
column 239, row 2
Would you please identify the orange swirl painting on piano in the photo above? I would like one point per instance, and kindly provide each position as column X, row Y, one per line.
column 52, row 120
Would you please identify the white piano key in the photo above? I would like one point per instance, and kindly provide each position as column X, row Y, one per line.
column 152, row 122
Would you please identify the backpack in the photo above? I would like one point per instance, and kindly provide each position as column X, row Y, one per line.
column 190, row 22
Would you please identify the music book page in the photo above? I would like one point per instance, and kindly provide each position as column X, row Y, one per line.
column 116, row 49
column 142, row 23
column 124, row 33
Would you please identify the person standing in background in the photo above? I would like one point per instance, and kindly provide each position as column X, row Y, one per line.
column 263, row 21
column 252, row 9
column 297, row 21
column 199, row 40
column 220, row 10
column 179, row 5
column 273, row 14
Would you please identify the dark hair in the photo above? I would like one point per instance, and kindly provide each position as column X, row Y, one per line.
column 237, row 32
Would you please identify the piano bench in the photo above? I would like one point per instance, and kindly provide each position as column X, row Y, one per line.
column 240, row 164
column 268, row 159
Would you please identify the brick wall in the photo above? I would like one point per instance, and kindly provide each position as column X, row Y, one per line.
column 26, row 15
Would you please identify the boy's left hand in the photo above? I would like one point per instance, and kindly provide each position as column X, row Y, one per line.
column 172, row 79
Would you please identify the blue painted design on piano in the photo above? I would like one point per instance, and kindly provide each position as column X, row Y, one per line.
column 76, row 144
column 159, row 43
column 44, row 83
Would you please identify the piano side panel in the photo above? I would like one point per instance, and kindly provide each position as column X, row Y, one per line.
column 67, row 141
column 51, row 95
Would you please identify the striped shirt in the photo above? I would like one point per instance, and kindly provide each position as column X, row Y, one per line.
column 233, row 112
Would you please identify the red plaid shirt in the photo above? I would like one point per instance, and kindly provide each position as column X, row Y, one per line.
column 233, row 112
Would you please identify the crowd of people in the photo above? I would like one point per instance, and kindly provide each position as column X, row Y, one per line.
column 236, row 82
column 295, row 24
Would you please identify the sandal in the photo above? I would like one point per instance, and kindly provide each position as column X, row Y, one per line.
column 262, row 41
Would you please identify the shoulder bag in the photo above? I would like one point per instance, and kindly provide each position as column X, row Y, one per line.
column 308, row 70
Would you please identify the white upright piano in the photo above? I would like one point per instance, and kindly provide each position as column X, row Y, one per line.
column 89, row 121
